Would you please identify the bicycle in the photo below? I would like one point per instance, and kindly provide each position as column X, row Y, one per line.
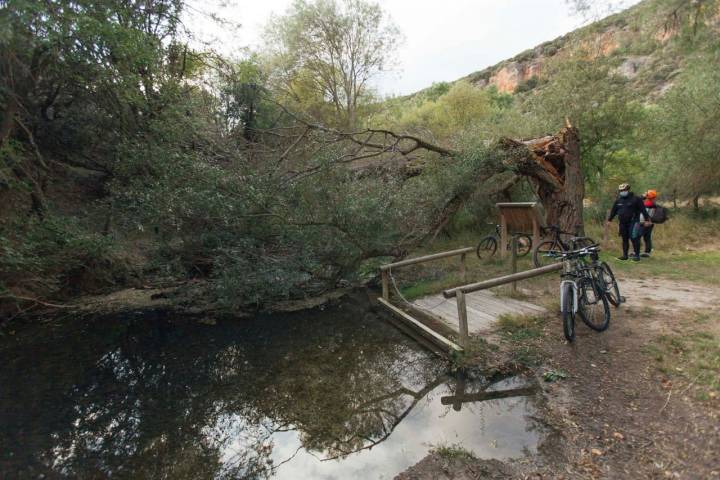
column 583, row 291
column 488, row 244
column 542, row 253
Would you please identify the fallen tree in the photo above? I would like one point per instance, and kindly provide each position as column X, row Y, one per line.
column 552, row 163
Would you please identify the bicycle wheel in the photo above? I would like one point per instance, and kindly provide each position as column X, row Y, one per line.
column 593, row 306
column 612, row 290
column 487, row 247
column 524, row 245
column 568, row 299
column 541, row 253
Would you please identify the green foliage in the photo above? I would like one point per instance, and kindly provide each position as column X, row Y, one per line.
column 326, row 51
column 520, row 327
column 554, row 375
column 56, row 255
column 453, row 451
column 437, row 90
column 463, row 114
column 681, row 131
column 527, row 85
column 602, row 107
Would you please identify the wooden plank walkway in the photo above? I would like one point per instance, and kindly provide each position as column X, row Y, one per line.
column 483, row 309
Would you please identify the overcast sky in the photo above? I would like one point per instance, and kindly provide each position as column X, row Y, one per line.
column 444, row 40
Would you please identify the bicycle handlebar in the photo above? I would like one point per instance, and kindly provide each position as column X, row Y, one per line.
column 581, row 252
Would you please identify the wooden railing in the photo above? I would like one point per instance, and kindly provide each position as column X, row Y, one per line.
column 460, row 292
column 385, row 269
column 457, row 292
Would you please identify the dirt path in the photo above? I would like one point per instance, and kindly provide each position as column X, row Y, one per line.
column 668, row 296
column 617, row 415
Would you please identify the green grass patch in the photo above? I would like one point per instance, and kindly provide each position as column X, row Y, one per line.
column 700, row 267
column 694, row 356
column 453, row 451
column 686, row 247
column 520, row 327
column 422, row 287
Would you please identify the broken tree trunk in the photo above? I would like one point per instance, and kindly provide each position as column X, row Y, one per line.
column 553, row 165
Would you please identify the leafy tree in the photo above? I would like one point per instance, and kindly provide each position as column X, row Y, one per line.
column 683, row 135
column 597, row 102
column 332, row 48
column 77, row 71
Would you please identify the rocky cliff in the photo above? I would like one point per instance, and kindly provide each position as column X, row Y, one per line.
column 637, row 42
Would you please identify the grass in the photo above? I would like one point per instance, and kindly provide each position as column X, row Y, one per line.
column 522, row 332
column 520, row 327
column 694, row 356
column 453, row 451
column 700, row 267
column 686, row 247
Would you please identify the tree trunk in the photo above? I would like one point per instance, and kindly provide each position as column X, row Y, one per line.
column 553, row 165
column 22, row 172
column 696, row 202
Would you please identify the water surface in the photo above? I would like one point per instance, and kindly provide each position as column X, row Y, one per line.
column 328, row 394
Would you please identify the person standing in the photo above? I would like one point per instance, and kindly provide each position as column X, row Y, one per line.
column 628, row 208
column 650, row 205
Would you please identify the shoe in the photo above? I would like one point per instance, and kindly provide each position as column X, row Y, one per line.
column 646, row 254
column 636, row 258
column 623, row 258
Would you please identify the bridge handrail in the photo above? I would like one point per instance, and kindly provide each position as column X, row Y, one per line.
column 494, row 282
column 426, row 258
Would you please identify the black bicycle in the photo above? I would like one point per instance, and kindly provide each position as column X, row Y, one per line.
column 584, row 291
column 488, row 245
column 545, row 252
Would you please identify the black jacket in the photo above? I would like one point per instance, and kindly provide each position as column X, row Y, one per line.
column 628, row 209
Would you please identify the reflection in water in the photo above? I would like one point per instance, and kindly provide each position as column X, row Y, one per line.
column 333, row 394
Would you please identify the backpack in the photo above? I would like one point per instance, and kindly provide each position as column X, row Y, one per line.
column 658, row 215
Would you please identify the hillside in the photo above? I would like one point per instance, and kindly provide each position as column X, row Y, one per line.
column 640, row 43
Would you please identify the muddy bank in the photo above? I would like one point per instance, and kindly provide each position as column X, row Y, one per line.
column 187, row 298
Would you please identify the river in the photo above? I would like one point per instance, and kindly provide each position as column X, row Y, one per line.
column 335, row 393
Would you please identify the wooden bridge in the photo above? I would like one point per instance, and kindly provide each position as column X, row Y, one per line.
column 459, row 311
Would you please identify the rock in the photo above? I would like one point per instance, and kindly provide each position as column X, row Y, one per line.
column 629, row 68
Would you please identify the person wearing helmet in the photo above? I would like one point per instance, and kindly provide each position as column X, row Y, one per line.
column 649, row 201
column 628, row 208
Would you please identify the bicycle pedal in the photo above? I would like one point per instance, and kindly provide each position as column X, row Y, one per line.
column 622, row 299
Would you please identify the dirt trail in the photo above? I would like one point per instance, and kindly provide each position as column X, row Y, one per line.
column 668, row 296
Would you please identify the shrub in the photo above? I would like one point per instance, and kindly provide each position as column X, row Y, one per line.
column 56, row 256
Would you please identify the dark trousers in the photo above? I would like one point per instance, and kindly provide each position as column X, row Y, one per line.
column 647, row 238
column 626, row 234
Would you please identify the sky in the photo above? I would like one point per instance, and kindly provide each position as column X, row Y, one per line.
column 444, row 39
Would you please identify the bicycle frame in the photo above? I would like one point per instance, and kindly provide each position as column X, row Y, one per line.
column 575, row 288
column 579, row 269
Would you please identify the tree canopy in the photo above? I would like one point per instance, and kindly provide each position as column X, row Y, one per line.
column 330, row 50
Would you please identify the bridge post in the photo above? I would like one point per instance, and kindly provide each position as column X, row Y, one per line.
column 462, row 318
column 513, row 261
column 503, row 234
column 385, row 285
